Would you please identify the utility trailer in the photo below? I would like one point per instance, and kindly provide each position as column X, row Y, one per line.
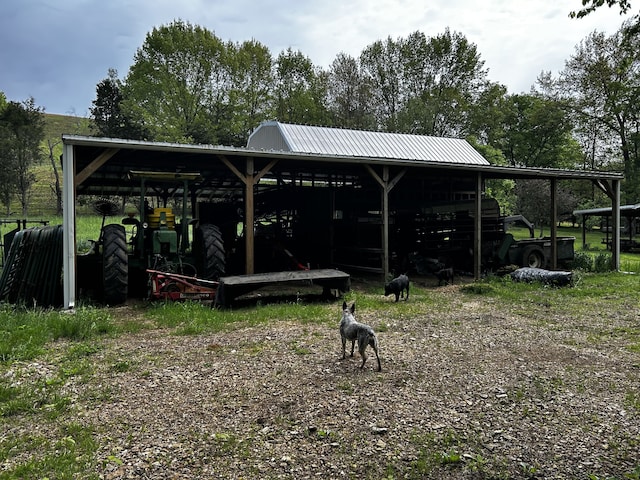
column 426, row 238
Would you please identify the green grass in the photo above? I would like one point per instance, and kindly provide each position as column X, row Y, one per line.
column 71, row 344
column 193, row 318
column 24, row 333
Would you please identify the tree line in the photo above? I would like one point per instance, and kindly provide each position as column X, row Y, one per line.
column 187, row 85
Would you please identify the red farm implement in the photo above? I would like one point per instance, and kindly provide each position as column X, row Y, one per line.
column 172, row 286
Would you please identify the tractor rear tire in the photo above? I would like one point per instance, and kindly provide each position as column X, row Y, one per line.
column 533, row 257
column 115, row 265
column 209, row 252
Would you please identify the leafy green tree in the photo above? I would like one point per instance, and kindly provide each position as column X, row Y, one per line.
column 382, row 67
column 486, row 116
column 300, row 90
column 349, row 94
column 443, row 76
column 251, row 95
column 601, row 84
column 21, row 131
column 590, row 6
column 502, row 189
column 538, row 133
column 178, row 85
column 424, row 85
column 109, row 120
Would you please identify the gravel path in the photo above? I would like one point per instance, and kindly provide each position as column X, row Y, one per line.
column 468, row 391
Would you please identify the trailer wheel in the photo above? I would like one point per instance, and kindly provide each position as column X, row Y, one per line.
column 115, row 264
column 209, row 252
column 533, row 257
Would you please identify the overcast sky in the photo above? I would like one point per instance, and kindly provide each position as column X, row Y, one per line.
column 57, row 51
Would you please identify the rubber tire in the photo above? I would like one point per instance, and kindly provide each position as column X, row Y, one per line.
column 209, row 252
column 533, row 257
column 115, row 265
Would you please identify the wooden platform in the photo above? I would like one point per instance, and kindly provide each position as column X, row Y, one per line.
column 230, row 288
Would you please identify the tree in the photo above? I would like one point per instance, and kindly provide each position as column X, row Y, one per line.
column 109, row 119
column 178, row 86
column 538, row 133
column 21, row 131
column 592, row 5
column 251, row 95
column 382, row 68
column 300, row 90
column 443, row 77
column 424, row 85
column 349, row 94
column 56, row 188
column 601, row 84
column 534, row 201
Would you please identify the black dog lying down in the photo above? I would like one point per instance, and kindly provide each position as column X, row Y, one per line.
column 397, row 286
column 352, row 330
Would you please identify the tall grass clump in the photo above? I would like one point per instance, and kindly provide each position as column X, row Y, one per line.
column 24, row 333
column 582, row 261
column 602, row 263
column 193, row 318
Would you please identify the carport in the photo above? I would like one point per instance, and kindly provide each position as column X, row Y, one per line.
column 631, row 213
column 385, row 165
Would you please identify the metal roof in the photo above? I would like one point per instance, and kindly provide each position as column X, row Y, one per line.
column 626, row 210
column 276, row 136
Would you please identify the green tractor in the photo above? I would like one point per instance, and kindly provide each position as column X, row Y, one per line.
column 116, row 267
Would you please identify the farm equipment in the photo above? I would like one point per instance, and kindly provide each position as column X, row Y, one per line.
column 172, row 286
column 118, row 264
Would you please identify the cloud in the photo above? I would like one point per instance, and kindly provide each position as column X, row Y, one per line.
column 58, row 51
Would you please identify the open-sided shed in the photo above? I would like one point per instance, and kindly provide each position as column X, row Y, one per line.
column 631, row 214
column 316, row 174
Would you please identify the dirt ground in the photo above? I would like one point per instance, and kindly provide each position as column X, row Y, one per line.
column 469, row 389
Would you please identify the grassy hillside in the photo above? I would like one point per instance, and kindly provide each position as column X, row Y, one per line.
column 42, row 195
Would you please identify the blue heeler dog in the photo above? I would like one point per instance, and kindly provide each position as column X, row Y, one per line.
column 397, row 286
column 352, row 330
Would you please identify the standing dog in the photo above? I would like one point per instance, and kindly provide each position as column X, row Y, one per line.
column 352, row 330
column 397, row 286
column 445, row 275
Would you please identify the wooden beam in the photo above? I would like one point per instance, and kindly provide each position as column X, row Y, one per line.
column 477, row 230
column 387, row 186
column 250, row 180
column 95, row 165
column 615, row 231
column 249, row 238
column 553, row 186
column 605, row 186
column 264, row 171
column 233, row 168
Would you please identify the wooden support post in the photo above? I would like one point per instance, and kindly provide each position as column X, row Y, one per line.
column 249, row 237
column 385, row 223
column 554, row 223
column 615, row 215
column 249, row 180
column 387, row 186
column 477, row 231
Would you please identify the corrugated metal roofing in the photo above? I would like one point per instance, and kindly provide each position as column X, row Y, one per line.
column 276, row 136
column 604, row 211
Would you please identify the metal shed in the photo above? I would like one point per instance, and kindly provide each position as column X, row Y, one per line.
column 630, row 213
column 379, row 167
